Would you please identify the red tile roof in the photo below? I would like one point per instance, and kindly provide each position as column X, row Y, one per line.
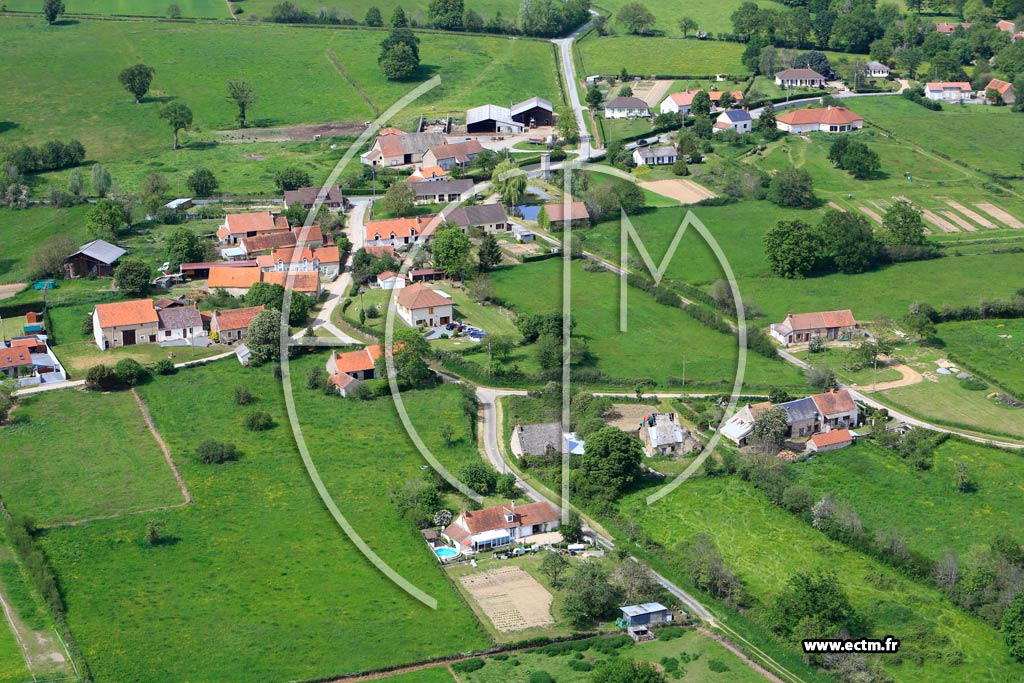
column 267, row 241
column 832, row 438
column 13, row 358
column 835, row 116
column 427, row 173
column 488, row 519
column 381, row 251
column 228, row 276
column 1000, row 86
column 357, row 361
column 459, row 151
column 137, row 312
column 307, row 283
column 556, row 212
column 292, row 255
column 236, row 318
column 1004, row 25
column 820, row 320
column 943, row 85
column 949, row 26
column 417, row 296
column 402, row 227
column 834, row 402
column 263, row 221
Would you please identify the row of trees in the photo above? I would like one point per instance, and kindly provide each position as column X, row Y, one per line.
column 844, row 242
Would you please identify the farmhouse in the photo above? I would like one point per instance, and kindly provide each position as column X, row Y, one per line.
column 556, row 215
column 30, row 361
column 427, row 174
column 741, row 424
column 829, row 441
column 662, row 434
column 347, row 370
column 453, row 154
column 232, row 325
column 948, row 28
column 734, row 119
column 949, row 92
column 418, row 305
column 655, row 156
column 252, row 246
column 240, row 225
column 490, row 118
column 1004, row 25
column 490, row 218
column 534, row 112
column 477, row 530
column 389, row 279
column 680, row 102
column 800, row 78
column 828, row 120
column 97, row 257
column 141, row 322
column 442, row 191
column 799, row 328
column 836, row 410
column 626, row 108
column 820, row 413
column 305, row 197
column 395, row 148
column 877, row 70
column 1005, row 90
column 304, row 283
column 396, row 232
column 325, row 260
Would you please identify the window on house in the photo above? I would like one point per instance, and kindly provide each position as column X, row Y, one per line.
column 430, row 310
column 167, row 333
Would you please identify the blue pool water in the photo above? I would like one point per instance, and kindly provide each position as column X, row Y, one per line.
column 446, row 553
column 529, row 212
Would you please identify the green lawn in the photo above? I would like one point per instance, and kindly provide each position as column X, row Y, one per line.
column 194, row 61
column 931, row 515
column 711, row 17
column 992, row 347
column 257, row 581
column 657, row 335
column 838, row 358
column 617, row 129
column 217, row 9
column 23, row 230
column 658, row 56
column 965, row 133
column 12, row 663
column 765, row 546
column 437, row 674
column 701, row 651
column 104, row 474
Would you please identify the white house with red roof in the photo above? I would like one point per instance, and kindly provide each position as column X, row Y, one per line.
column 389, row 280
column 29, row 360
column 419, row 306
column 957, row 91
column 828, row 120
column 798, row 328
column 829, row 441
column 232, row 324
column 325, row 260
column 680, row 102
column 495, row 527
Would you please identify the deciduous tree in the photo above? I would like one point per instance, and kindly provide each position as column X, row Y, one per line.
column 132, row 276
column 179, row 117
column 242, row 94
column 52, row 9
column 636, row 17
column 451, row 250
column 106, row 218
column 611, row 460
column 136, row 80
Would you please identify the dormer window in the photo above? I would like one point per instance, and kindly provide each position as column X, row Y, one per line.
column 509, row 517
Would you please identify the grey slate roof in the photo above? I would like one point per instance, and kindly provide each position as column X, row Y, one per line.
column 101, row 250
column 308, row 195
column 477, row 214
column 737, row 115
column 536, row 439
column 875, row 66
column 799, row 74
column 179, row 317
column 435, row 187
column 625, row 103
column 801, row 410
column 530, row 104
column 655, row 152
column 419, row 143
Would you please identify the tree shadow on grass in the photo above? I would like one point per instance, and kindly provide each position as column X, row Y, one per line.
column 65, row 22
column 202, row 145
column 7, row 125
column 159, row 99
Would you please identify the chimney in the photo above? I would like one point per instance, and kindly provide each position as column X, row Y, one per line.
column 513, row 503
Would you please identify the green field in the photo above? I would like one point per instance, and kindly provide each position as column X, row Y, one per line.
column 765, row 546
column 964, row 133
column 992, row 347
column 272, row 585
column 657, row 335
column 217, row 9
column 838, row 358
column 46, row 479
column 658, row 56
column 932, row 515
column 24, row 230
column 193, row 62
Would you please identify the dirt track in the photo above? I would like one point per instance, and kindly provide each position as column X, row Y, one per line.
column 293, row 133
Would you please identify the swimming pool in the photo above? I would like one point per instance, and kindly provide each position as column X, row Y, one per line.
column 529, row 212
column 445, row 553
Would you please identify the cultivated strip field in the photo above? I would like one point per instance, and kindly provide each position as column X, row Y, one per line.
column 511, row 598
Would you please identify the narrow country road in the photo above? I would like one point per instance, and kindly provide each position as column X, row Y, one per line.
column 569, row 76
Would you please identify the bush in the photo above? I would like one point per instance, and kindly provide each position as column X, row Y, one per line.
column 101, row 378
column 213, row 452
column 243, row 396
column 973, row 384
column 258, row 421
column 129, row 371
column 717, row 666
column 680, row 168
column 164, row 367
column 541, row 677
column 468, row 665
column 580, row 665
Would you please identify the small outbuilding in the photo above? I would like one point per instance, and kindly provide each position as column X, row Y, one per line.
column 647, row 614
column 97, row 257
column 829, row 441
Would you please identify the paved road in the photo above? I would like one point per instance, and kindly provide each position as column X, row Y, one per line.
column 569, row 76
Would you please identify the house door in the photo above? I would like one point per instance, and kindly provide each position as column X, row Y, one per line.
column 128, row 337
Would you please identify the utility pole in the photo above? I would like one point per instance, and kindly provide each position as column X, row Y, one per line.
column 684, row 368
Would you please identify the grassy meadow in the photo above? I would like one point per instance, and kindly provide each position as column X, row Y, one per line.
column 273, row 585
column 992, row 347
column 765, row 546
column 23, row 231
column 193, row 62
column 657, row 335
column 207, row 9
column 932, row 516
column 657, row 56
column 100, row 476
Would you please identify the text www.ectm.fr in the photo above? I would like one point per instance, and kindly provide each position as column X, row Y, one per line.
column 888, row 644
